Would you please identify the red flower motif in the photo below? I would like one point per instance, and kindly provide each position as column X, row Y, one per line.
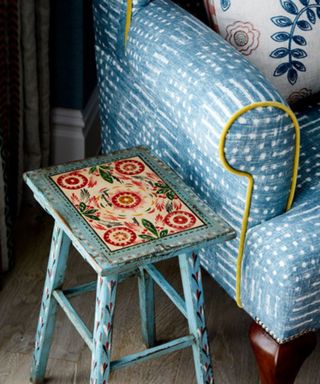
column 127, row 200
column 129, row 167
column 243, row 36
column 181, row 220
column 120, row 236
column 72, row 180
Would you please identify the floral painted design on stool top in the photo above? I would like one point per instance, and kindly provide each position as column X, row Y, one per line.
column 126, row 203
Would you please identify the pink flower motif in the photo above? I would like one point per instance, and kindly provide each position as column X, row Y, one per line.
column 94, row 200
column 75, row 199
column 92, row 182
column 160, row 204
column 159, row 219
column 299, row 95
column 99, row 227
column 176, row 205
column 131, row 225
column 243, row 36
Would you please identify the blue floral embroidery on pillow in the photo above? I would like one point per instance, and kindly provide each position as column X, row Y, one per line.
column 225, row 4
column 293, row 66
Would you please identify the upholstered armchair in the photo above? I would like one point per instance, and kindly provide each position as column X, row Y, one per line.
column 170, row 83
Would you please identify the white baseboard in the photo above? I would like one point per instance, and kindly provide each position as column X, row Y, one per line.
column 76, row 133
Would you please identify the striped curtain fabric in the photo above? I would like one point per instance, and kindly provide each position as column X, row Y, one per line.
column 24, row 105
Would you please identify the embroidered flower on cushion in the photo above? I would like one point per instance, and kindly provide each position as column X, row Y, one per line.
column 243, row 36
column 299, row 95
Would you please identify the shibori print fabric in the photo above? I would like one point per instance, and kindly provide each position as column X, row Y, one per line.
column 126, row 202
column 281, row 37
column 174, row 92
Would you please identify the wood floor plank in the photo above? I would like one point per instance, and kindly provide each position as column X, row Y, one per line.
column 69, row 361
column 18, row 368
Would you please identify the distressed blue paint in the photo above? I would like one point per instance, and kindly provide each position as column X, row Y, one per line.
column 155, row 352
column 102, row 334
column 57, row 263
column 194, row 297
column 147, row 310
column 120, row 264
column 92, row 248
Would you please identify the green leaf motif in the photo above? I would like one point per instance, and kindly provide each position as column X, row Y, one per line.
column 164, row 233
column 91, row 211
column 161, row 191
column 105, row 167
column 82, row 207
column 92, row 217
column 146, row 237
column 150, row 227
column 92, row 170
column 105, row 175
column 170, row 195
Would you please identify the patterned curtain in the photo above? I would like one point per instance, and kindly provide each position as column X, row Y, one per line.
column 24, row 105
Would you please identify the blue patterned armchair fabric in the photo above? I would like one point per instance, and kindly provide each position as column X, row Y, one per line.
column 173, row 88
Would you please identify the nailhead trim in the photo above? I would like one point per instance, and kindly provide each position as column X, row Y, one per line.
column 277, row 339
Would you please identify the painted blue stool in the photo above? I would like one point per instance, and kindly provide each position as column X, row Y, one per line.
column 124, row 212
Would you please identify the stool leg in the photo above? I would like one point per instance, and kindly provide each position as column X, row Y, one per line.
column 193, row 293
column 102, row 334
column 57, row 263
column 147, row 310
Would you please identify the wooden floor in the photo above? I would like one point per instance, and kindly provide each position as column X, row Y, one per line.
column 70, row 359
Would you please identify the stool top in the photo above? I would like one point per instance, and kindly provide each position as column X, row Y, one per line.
column 125, row 207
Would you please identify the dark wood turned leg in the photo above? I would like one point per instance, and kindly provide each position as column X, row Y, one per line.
column 279, row 363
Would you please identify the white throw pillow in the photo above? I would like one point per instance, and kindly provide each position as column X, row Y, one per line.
column 281, row 37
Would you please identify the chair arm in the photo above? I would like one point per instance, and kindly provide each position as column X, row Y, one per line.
column 199, row 82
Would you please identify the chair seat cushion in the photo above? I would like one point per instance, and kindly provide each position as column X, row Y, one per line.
column 281, row 270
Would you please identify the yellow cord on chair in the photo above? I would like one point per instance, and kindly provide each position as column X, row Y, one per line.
column 128, row 21
column 250, row 177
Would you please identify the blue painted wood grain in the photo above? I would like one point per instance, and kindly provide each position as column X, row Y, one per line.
column 57, row 263
column 194, row 297
column 102, row 334
column 147, row 308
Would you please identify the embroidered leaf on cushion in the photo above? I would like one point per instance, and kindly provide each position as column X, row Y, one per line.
column 271, row 35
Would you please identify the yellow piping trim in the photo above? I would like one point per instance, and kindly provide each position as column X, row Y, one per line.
column 128, row 21
column 251, row 179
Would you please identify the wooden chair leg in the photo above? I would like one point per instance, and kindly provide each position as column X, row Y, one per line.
column 194, row 299
column 279, row 363
column 57, row 264
column 147, row 310
column 102, row 334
